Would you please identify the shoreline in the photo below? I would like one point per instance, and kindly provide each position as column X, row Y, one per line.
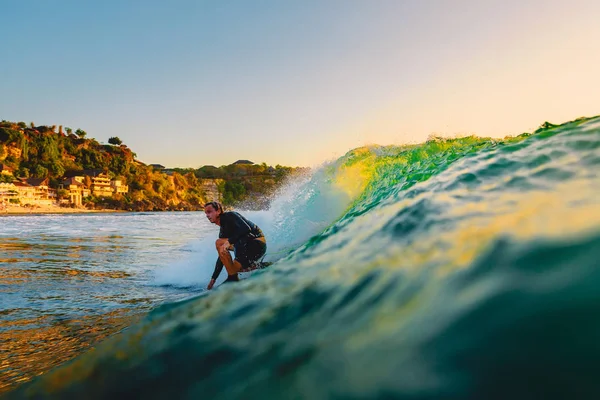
column 52, row 209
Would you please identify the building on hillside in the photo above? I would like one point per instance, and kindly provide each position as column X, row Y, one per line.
column 32, row 191
column 8, row 192
column 76, row 190
column 40, row 185
column 85, row 172
column 238, row 162
column 42, row 194
column 118, row 186
column 26, row 192
column 101, row 185
column 6, row 170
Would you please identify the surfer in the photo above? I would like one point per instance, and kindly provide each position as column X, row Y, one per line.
column 239, row 235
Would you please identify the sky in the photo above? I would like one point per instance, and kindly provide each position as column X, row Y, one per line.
column 295, row 82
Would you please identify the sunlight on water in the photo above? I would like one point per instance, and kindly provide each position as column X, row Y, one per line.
column 458, row 268
column 67, row 282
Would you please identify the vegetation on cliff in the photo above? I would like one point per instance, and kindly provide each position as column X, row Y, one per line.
column 50, row 151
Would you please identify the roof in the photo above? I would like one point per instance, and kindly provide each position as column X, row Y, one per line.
column 37, row 181
column 157, row 166
column 4, row 167
column 72, row 181
column 21, row 184
column 83, row 172
column 243, row 162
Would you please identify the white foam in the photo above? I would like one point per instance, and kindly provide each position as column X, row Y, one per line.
column 194, row 270
column 302, row 208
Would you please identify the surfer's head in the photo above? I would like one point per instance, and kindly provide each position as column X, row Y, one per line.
column 213, row 211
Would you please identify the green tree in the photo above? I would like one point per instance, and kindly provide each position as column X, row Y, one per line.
column 11, row 161
column 57, row 169
column 5, row 134
column 115, row 140
column 209, row 171
column 40, row 171
column 24, row 145
column 68, row 130
column 81, row 133
column 49, row 148
column 118, row 165
column 62, row 193
column 191, row 179
column 233, row 191
column 6, row 178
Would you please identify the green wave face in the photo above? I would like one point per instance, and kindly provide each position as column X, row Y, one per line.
column 377, row 175
column 462, row 268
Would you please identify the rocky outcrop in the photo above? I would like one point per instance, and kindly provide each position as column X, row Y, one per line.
column 210, row 189
column 8, row 150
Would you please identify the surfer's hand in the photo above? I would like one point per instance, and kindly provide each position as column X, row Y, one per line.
column 211, row 284
column 226, row 246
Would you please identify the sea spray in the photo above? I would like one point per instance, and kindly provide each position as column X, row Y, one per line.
column 301, row 209
column 458, row 268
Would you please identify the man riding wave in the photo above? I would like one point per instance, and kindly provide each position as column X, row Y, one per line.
column 239, row 234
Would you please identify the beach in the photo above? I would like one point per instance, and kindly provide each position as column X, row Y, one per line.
column 47, row 209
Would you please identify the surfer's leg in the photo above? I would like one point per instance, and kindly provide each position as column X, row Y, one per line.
column 232, row 278
column 250, row 253
column 232, row 266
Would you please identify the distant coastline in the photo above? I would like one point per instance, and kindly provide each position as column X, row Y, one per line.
column 47, row 165
column 49, row 209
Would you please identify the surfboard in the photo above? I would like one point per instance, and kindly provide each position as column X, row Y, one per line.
column 258, row 265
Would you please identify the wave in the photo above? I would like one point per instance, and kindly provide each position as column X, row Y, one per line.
column 457, row 268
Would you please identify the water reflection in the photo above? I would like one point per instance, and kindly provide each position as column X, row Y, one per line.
column 50, row 312
column 68, row 282
column 30, row 347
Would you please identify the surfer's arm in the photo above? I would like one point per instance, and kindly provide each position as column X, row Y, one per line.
column 218, row 268
column 216, row 273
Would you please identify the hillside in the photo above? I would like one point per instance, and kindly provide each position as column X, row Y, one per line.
column 52, row 152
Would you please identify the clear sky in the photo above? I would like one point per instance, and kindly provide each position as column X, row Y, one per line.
column 192, row 83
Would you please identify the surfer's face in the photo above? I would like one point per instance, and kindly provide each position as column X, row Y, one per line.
column 212, row 214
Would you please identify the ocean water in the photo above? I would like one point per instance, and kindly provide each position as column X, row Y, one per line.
column 68, row 281
column 463, row 268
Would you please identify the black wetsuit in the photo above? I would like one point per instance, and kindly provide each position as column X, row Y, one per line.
column 245, row 236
